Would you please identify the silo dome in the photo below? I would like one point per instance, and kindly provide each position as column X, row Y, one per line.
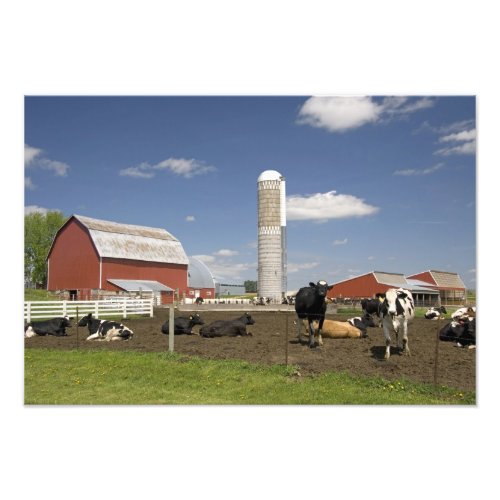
column 269, row 175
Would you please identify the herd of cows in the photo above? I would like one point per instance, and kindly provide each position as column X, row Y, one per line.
column 393, row 309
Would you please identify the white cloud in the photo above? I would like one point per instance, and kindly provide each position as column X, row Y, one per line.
column 371, row 257
column 30, row 154
column 292, row 267
column 224, row 252
column 190, row 218
column 340, row 242
column 466, row 140
column 423, row 171
column 28, row 184
column 30, row 209
column 342, row 113
column 178, row 166
column 320, row 207
column 33, row 158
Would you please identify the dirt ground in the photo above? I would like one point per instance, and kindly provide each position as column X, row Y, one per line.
column 274, row 334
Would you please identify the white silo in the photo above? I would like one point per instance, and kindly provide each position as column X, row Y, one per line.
column 271, row 235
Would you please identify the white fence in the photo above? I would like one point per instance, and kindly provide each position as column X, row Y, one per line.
column 117, row 306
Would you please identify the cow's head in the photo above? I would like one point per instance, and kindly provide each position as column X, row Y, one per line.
column 391, row 303
column 368, row 320
column 195, row 319
column 321, row 288
column 85, row 320
column 66, row 321
column 247, row 319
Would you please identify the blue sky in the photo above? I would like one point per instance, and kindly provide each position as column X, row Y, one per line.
column 373, row 183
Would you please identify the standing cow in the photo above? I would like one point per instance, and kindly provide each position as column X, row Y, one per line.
column 397, row 310
column 310, row 304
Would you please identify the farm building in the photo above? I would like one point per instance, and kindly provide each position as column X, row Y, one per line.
column 200, row 280
column 91, row 257
column 227, row 289
column 367, row 285
column 450, row 286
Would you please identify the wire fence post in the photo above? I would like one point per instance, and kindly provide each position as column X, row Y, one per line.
column 436, row 353
column 77, row 321
column 171, row 329
column 286, row 340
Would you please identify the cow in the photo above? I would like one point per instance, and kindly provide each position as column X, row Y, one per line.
column 101, row 329
column 397, row 311
column 228, row 328
column 373, row 307
column 435, row 313
column 469, row 312
column 353, row 328
column 54, row 326
column 182, row 325
column 310, row 305
column 462, row 331
column 199, row 301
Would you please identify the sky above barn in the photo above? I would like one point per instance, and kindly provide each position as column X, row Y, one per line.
column 373, row 182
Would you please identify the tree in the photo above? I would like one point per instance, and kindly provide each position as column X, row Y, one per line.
column 39, row 232
column 250, row 286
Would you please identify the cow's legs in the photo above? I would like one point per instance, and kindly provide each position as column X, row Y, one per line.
column 311, row 334
column 320, row 327
column 387, row 337
column 93, row 336
column 406, row 349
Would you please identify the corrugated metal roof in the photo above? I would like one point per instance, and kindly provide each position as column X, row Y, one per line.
column 392, row 279
column 138, row 285
column 199, row 276
column 126, row 241
column 447, row 280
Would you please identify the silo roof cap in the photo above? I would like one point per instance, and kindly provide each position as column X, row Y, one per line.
column 269, row 175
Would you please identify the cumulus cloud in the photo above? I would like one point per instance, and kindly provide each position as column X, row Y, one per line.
column 343, row 113
column 422, row 171
column 321, row 207
column 461, row 142
column 293, row 267
column 224, row 252
column 224, row 268
column 30, row 209
column 178, row 166
column 190, row 218
column 340, row 242
column 28, row 184
column 34, row 158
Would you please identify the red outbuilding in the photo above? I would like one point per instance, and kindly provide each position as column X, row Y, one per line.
column 450, row 286
column 91, row 256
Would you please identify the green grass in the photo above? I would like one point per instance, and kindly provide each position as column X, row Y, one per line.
column 119, row 378
column 31, row 295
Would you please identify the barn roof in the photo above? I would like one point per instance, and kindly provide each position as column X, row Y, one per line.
column 141, row 285
column 445, row 279
column 126, row 241
column 199, row 276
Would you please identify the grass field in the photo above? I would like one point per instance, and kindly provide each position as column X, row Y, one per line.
column 54, row 377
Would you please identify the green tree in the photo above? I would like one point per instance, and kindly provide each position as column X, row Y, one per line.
column 39, row 232
column 250, row 286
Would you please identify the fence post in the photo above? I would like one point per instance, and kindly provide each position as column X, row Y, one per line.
column 28, row 311
column 124, row 309
column 65, row 308
column 96, row 309
column 171, row 329
column 150, row 308
column 436, row 354
column 286, row 340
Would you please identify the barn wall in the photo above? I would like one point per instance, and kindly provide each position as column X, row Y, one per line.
column 73, row 261
column 205, row 293
column 172, row 275
column 361, row 286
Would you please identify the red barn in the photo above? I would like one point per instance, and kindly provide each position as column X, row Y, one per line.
column 90, row 255
column 367, row 285
column 450, row 286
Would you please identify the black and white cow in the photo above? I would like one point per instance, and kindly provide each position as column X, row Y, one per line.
column 182, row 324
column 101, row 329
column 228, row 328
column 462, row 331
column 362, row 323
column 464, row 312
column 54, row 326
column 372, row 307
column 435, row 313
column 310, row 304
column 397, row 310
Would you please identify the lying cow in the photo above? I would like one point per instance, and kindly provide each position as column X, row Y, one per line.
column 101, row 329
column 54, row 326
column 353, row 328
column 182, row 325
column 435, row 313
column 469, row 312
column 228, row 328
column 462, row 331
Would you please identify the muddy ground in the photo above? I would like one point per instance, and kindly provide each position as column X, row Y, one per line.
column 270, row 343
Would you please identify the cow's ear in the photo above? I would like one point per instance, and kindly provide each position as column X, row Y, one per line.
column 312, row 284
column 330, row 287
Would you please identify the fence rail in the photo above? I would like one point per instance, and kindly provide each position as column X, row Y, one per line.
column 122, row 307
